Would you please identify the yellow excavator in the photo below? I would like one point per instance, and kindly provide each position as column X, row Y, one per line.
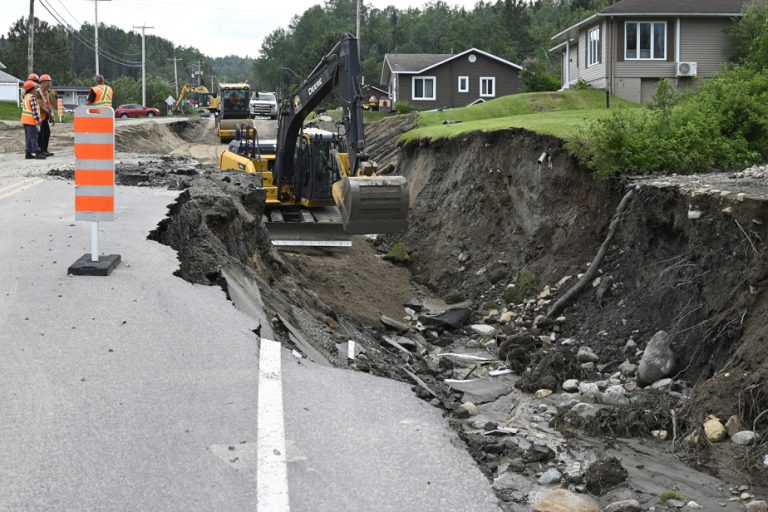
column 206, row 102
column 321, row 188
column 233, row 109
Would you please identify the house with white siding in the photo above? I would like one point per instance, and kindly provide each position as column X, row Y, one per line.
column 629, row 46
column 10, row 87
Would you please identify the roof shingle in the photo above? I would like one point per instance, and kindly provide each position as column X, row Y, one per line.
column 676, row 6
column 404, row 62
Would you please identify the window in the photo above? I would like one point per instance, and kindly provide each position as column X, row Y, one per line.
column 423, row 88
column 593, row 46
column 463, row 84
column 645, row 40
column 487, row 86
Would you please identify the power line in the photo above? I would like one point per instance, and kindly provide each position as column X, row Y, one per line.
column 78, row 23
column 60, row 21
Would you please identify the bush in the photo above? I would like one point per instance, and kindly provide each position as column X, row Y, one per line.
column 525, row 286
column 722, row 126
column 398, row 254
column 403, row 107
column 535, row 77
column 581, row 85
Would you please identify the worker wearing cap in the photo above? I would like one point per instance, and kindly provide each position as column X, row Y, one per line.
column 30, row 119
column 100, row 94
column 46, row 113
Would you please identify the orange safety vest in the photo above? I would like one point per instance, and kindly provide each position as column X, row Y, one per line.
column 103, row 95
column 27, row 117
column 44, row 104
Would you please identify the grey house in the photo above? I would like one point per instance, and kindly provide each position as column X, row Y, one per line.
column 629, row 46
column 429, row 81
column 10, row 87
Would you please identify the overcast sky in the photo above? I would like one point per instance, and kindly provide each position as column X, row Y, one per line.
column 216, row 28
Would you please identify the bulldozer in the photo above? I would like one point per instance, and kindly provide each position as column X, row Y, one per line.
column 321, row 187
column 233, row 109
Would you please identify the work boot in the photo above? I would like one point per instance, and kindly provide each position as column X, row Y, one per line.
column 28, row 156
column 39, row 156
column 46, row 153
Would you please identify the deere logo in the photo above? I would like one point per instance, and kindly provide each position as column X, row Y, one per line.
column 314, row 87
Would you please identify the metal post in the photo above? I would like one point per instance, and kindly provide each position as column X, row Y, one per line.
column 94, row 241
column 357, row 29
column 96, row 33
column 31, row 38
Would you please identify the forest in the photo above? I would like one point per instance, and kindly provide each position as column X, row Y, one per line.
column 516, row 30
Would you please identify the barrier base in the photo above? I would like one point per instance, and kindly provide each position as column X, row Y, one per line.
column 85, row 267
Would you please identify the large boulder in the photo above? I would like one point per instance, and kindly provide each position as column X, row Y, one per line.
column 605, row 474
column 561, row 500
column 658, row 360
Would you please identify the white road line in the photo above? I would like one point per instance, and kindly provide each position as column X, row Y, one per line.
column 272, row 470
column 20, row 186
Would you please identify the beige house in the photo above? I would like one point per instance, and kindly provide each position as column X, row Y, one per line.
column 629, row 46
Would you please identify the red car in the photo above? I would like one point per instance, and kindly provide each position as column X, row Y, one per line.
column 133, row 110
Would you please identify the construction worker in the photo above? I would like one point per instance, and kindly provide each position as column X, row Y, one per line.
column 30, row 119
column 100, row 94
column 34, row 78
column 46, row 113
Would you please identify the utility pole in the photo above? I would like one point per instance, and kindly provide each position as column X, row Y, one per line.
column 143, row 66
column 198, row 73
column 175, row 73
column 96, row 31
column 31, row 38
column 357, row 29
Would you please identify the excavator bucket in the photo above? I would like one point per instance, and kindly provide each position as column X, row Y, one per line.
column 372, row 204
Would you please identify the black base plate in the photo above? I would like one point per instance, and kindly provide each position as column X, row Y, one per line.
column 85, row 267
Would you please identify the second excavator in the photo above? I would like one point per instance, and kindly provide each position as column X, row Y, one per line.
column 320, row 185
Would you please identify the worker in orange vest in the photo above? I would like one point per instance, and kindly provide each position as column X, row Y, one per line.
column 46, row 113
column 30, row 119
column 100, row 94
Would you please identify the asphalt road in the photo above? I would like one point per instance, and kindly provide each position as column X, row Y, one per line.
column 139, row 391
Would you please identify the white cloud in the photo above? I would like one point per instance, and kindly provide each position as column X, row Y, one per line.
column 215, row 28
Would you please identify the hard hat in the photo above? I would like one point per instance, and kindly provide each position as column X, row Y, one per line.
column 29, row 85
column 45, row 78
column 33, row 77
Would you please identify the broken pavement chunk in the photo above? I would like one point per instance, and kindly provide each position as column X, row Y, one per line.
column 451, row 319
column 391, row 323
column 478, row 391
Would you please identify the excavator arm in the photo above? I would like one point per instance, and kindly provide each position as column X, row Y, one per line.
column 367, row 203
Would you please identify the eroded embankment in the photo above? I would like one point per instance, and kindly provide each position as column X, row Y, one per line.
column 689, row 258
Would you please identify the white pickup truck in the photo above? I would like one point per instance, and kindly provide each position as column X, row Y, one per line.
column 263, row 104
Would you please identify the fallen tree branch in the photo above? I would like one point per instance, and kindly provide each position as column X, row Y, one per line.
column 595, row 265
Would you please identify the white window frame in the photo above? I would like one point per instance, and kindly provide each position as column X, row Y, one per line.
column 434, row 88
column 593, row 46
column 466, row 83
column 653, row 35
column 493, row 86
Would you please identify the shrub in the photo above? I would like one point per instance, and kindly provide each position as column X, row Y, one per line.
column 535, row 77
column 670, row 495
column 581, row 85
column 398, row 254
column 525, row 286
column 403, row 107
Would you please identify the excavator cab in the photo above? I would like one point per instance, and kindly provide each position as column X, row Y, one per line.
column 315, row 154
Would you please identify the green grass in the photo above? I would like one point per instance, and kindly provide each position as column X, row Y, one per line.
column 551, row 113
column 10, row 112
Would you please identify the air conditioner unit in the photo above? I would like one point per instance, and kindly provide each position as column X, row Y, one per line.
column 686, row 69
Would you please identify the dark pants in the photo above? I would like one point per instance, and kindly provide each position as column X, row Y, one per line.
column 44, row 136
column 31, row 143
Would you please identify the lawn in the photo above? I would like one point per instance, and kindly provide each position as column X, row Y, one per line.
column 552, row 113
column 10, row 112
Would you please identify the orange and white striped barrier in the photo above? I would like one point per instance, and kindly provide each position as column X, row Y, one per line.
column 95, row 181
column 60, row 105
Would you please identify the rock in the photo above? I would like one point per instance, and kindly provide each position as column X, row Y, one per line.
column 546, row 293
column 658, row 360
column 744, row 438
column 586, row 355
column 463, row 257
column 661, row 435
column 589, row 388
column 627, row 369
column 693, row 505
column 623, row 506
column 733, row 425
column 561, row 500
column 588, row 366
column 757, row 506
column 630, row 346
column 714, row 430
column 391, row 323
column 673, row 503
column 415, row 304
column 550, row 476
column 497, row 272
column 665, row 384
column 470, row 408
column 602, row 475
column 571, row 385
column 451, row 319
column 584, row 409
column 483, row 329
column 542, row 393
column 506, row 318
column 630, row 386
column 613, row 395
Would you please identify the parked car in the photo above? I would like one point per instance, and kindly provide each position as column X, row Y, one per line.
column 133, row 110
column 263, row 104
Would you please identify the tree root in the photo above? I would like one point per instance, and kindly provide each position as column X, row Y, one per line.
column 576, row 289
